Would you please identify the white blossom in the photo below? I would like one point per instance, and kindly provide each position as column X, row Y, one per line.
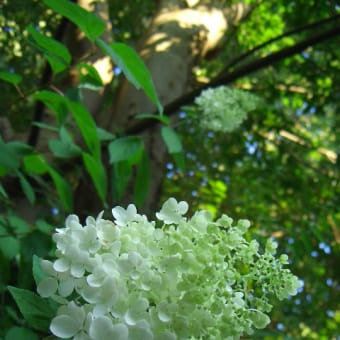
column 224, row 108
column 129, row 280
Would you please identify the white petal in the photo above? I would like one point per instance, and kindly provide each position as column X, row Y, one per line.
column 66, row 287
column 63, row 326
column 61, row 265
column 47, row 287
column 102, row 328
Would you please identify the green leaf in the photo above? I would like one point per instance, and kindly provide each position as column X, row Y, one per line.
column 63, row 149
column 18, row 225
column 26, row 188
column 38, row 273
column 142, row 181
column 174, row 145
column 63, row 189
column 96, row 170
column 20, row 333
column 10, row 77
column 104, row 135
column 171, row 140
column 89, row 77
column 121, row 174
column 179, row 160
column 125, row 149
column 44, row 227
column 56, row 53
column 55, row 102
column 36, row 310
column 163, row 119
column 35, row 243
column 133, row 67
column 9, row 246
column 88, row 22
column 45, row 126
column 9, row 159
column 35, row 164
column 87, row 127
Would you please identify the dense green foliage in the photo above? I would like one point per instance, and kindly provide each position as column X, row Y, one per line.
column 279, row 168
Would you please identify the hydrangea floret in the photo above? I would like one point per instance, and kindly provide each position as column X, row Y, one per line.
column 224, row 108
column 173, row 278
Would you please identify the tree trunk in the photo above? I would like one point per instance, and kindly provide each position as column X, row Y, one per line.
column 176, row 38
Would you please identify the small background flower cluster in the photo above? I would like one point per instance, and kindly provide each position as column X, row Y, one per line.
column 173, row 278
column 223, row 108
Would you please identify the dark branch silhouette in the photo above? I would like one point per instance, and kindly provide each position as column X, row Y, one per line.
column 227, row 78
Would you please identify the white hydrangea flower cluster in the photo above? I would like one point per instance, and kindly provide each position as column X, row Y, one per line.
column 178, row 278
column 223, row 108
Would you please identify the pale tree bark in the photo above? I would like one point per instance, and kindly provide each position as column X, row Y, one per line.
column 179, row 34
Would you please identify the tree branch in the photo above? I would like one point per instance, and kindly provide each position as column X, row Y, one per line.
column 300, row 29
column 227, row 78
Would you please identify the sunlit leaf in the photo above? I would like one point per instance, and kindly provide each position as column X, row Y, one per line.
column 56, row 53
column 88, row 22
column 89, row 77
column 133, row 67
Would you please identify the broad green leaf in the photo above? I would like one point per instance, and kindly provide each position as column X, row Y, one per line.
column 121, row 174
column 88, row 22
column 87, row 127
column 20, row 149
column 104, row 135
column 9, row 246
column 63, row 189
column 36, row 310
column 20, row 333
column 89, row 77
column 96, row 170
column 10, row 77
column 171, row 139
column 142, row 181
column 163, row 119
column 18, row 225
column 55, row 102
column 35, row 164
column 63, row 149
column 56, row 53
column 38, row 273
column 125, row 149
column 133, row 67
column 44, row 227
column 26, row 187
column 9, row 160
